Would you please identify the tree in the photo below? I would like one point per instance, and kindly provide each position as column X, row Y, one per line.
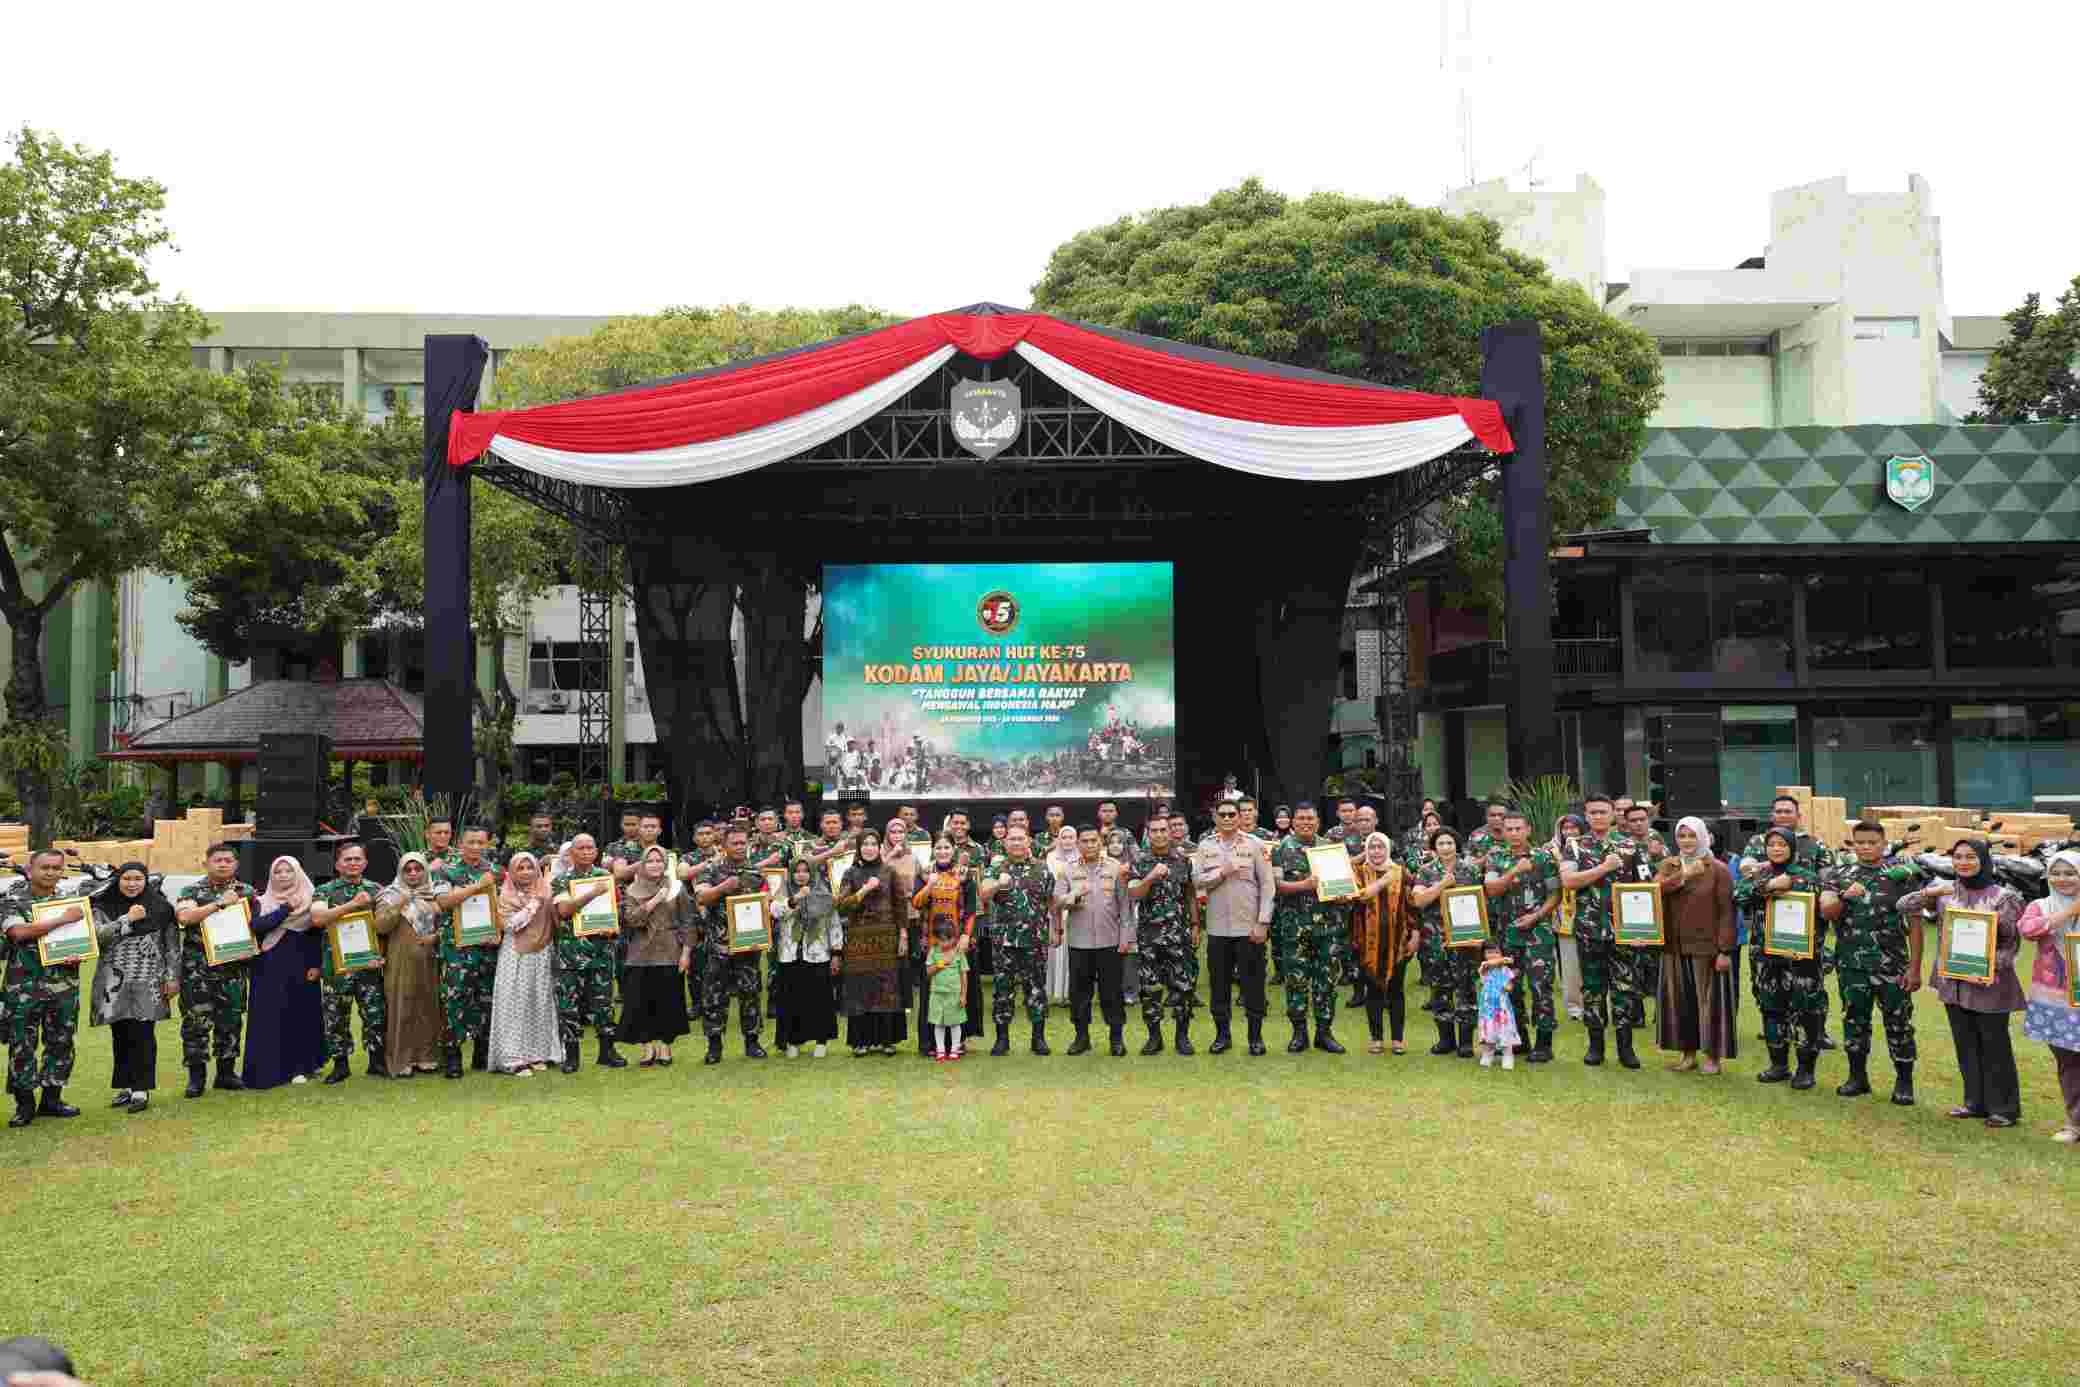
column 2034, row 376
column 99, row 404
column 1386, row 292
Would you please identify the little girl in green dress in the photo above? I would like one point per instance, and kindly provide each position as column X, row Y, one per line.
column 946, row 974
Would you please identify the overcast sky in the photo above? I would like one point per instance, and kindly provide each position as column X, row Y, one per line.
column 602, row 158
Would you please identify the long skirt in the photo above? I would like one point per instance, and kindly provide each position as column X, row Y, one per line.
column 411, row 1000
column 523, row 1009
column 285, row 1025
column 653, row 1004
column 874, row 1028
column 136, row 1046
column 1694, row 1007
column 807, row 1010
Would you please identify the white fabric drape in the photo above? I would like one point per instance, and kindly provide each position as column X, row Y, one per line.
column 721, row 457
column 1290, row 451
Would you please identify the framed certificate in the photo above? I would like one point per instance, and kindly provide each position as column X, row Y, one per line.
column 2073, row 968
column 1636, row 912
column 921, row 854
column 601, row 914
column 776, row 881
column 352, row 940
column 227, row 936
column 750, row 924
column 1969, row 939
column 1330, row 865
column 839, row 865
column 1787, row 925
column 478, row 919
column 1465, row 912
column 671, row 875
column 73, row 943
column 1563, row 914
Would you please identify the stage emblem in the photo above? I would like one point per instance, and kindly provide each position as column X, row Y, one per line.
column 997, row 611
column 1910, row 481
column 985, row 416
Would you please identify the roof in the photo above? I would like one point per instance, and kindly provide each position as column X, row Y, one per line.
column 1977, row 333
column 367, row 720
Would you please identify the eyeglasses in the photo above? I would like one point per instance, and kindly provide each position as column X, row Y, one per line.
column 1224, row 814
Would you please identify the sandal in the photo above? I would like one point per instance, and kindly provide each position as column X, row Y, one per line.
column 1962, row 1111
column 1376, row 1048
column 1997, row 1121
column 1683, row 1065
column 1708, row 1067
column 1399, row 1048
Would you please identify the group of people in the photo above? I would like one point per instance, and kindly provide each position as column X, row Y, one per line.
column 890, row 928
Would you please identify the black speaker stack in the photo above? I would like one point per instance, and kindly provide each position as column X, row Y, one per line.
column 295, row 768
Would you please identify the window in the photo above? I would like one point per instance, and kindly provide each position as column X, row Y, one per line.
column 1759, row 752
column 2010, row 753
column 1751, row 623
column 1887, row 329
column 1347, row 675
column 1996, row 619
column 1875, row 754
column 1672, row 619
column 1689, row 619
column 555, row 674
column 1862, row 621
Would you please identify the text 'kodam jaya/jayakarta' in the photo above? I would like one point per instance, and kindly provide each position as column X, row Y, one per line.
column 1086, row 672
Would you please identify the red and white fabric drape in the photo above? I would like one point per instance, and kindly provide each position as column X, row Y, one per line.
column 732, row 421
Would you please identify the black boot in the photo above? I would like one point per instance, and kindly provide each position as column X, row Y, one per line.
column 1466, row 1031
column 1778, row 1070
column 1826, row 1040
column 198, row 1079
column 24, row 1109
column 340, row 1073
column 227, row 1077
column 1325, row 1039
column 1859, row 1081
column 54, row 1104
column 1256, row 1036
column 1447, row 1043
column 752, row 1049
column 1357, row 997
column 1903, row 1083
column 608, row 1059
column 451, row 1061
column 1595, row 1054
column 1184, row 1036
column 1803, row 1079
column 714, row 1050
column 377, row 1069
column 1298, row 1044
column 1082, row 1044
column 1154, row 1043
column 570, row 1053
column 1625, row 1055
column 1542, row 1052
column 1119, row 1042
column 1039, row 1045
column 1003, row 1045
column 480, row 1051
column 1222, row 1041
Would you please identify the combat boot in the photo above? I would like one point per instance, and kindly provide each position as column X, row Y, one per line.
column 227, row 1077
column 1003, row 1045
column 608, row 1059
column 451, row 1061
column 54, row 1104
column 1595, row 1053
column 24, row 1108
column 1039, row 1046
column 198, row 1079
column 1154, row 1043
column 1803, row 1079
column 1542, row 1052
column 1256, row 1036
column 1082, row 1044
column 1447, row 1043
column 1625, row 1055
column 340, row 1072
column 1467, row 1031
column 1184, row 1036
column 1298, row 1044
column 752, row 1049
column 714, row 1051
column 377, row 1069
column 1903, row 1083
column 1826, row 1040
column 1778, row 1070
column 1325, row 1040
column 480, row 1050
column 1222, row 1041
column 1859, row 1081
column 1119, row 1042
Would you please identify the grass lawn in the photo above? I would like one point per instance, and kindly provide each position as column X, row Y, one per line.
column 1163, row 1220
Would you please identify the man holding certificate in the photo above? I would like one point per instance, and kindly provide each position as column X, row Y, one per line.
column 349, row 902
column 728, row 974
column 1312, row 927
column 467, row 969
column 40, row 999
column 1608, row 976
column 588, row 937
column 213, row 998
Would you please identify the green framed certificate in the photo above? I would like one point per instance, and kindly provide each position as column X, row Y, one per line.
column 1465, row 913
column 1330, row 865
column 352, row 940
column 227, row 936
column 73, row 943
column 1787, row 925
column 477, row 919
column 2073, row 968
column 839, row 865
column 601, row 914
column 1969, row 939
column 671, row 874
column 1636, row 912
column 776, row 881
column 750, row 924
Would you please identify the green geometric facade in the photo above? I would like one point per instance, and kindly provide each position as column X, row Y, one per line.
column 1995, row 483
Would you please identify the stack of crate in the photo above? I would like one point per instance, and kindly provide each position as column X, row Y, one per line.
column 1825, row 817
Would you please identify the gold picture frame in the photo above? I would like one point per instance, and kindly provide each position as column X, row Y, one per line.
column 1650, row 933
column 1791, row 915
column 600, row 915
column 776, row 881
column 78, row 942
column 466, row 936
column 1983, row 925
column 839, row 866
column 1459, row 931
column 351, row 940
column 1335, row 877
column 2072, row 949
column 742, row 938
column 220, row 944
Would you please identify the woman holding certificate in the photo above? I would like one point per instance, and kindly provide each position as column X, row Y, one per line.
column 285, row 1024
column 1451, row 988
column 653, row 1003
column 2053, row 1014
column 1974, row 976
column 526, row 1037
column 1383, row 939
column 134, row 979
column 1694, row 1011
column 1785, row 893
column 408, row 921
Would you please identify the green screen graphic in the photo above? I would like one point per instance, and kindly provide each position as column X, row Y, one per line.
column 950, row 681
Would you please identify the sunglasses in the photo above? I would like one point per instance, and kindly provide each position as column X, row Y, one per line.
column 1224, row 814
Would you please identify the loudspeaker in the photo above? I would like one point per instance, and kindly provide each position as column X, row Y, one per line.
column 294, row 769
column 1693, row 790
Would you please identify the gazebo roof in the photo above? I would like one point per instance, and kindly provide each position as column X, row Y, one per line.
column 367, row 720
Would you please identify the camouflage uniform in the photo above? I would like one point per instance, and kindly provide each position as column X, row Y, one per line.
column 213, row 1000
column 1168, row 962
column 1315, row 935
column 36, row 1002
column 1791, row 992
column 1535, row 950
column 343, row 992
column 727, row 974
column 584, row 970
column 1640, row 865
column 1479, row 844
column 1871, row 957
column 466, row 972
column 629, row 850
column 1609, row 980
column 1452, row 981
column 1808, row 851
column 1019, row 929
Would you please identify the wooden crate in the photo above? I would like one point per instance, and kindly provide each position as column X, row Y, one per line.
column 213, row 817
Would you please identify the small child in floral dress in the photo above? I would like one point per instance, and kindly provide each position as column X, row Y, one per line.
column 1498, row 1020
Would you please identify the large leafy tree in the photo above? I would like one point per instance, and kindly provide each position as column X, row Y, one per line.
column 1387, row 292
column 2034, row 376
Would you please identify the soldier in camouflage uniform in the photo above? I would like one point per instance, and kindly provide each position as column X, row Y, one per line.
column 343, row 992
column 1646, row 853
column 1167, row 931
column 728, row 974
column 1877, row 957
column 1609, row 980
column 1791, row 992
column 466, row 970
column 213, row 1000
column 584, row 963
column 799, row 839
column 1450, row 973
column 1019, row 892
column 1524, row 883
column 1488, row 837
column 1783, row 813
column 35, row 1001
column 1316, row 933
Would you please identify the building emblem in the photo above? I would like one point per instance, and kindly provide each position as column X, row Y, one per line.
column 985, row 416
column 997, row 611
column 1910, row 481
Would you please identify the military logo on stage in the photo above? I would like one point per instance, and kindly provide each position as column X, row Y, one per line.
column 997, row 611
column 985, row 416
column 1910, row 481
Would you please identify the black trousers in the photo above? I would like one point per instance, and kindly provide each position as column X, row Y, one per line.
column 1231, row 959
column 1986, row 1061
column 1101, row 968
column 137, row 1055
column 1391, row 998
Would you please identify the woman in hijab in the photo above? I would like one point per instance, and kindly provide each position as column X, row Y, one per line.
column 2050, row 1017
column 877, row 951
column 525, row 1038
column 1568, row 828
column 806, row 958
column 1694, row 1006
column 1383, row 929
column 1978, row 1012
column 1060, row 856
column 657, row 936
column 948, row 894
column 1452, row 981
column 285, row 1027
column 1790, row 991
column 408, row 922
column 135, row 978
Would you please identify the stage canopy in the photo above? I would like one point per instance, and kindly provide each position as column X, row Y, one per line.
column 1254, row 416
